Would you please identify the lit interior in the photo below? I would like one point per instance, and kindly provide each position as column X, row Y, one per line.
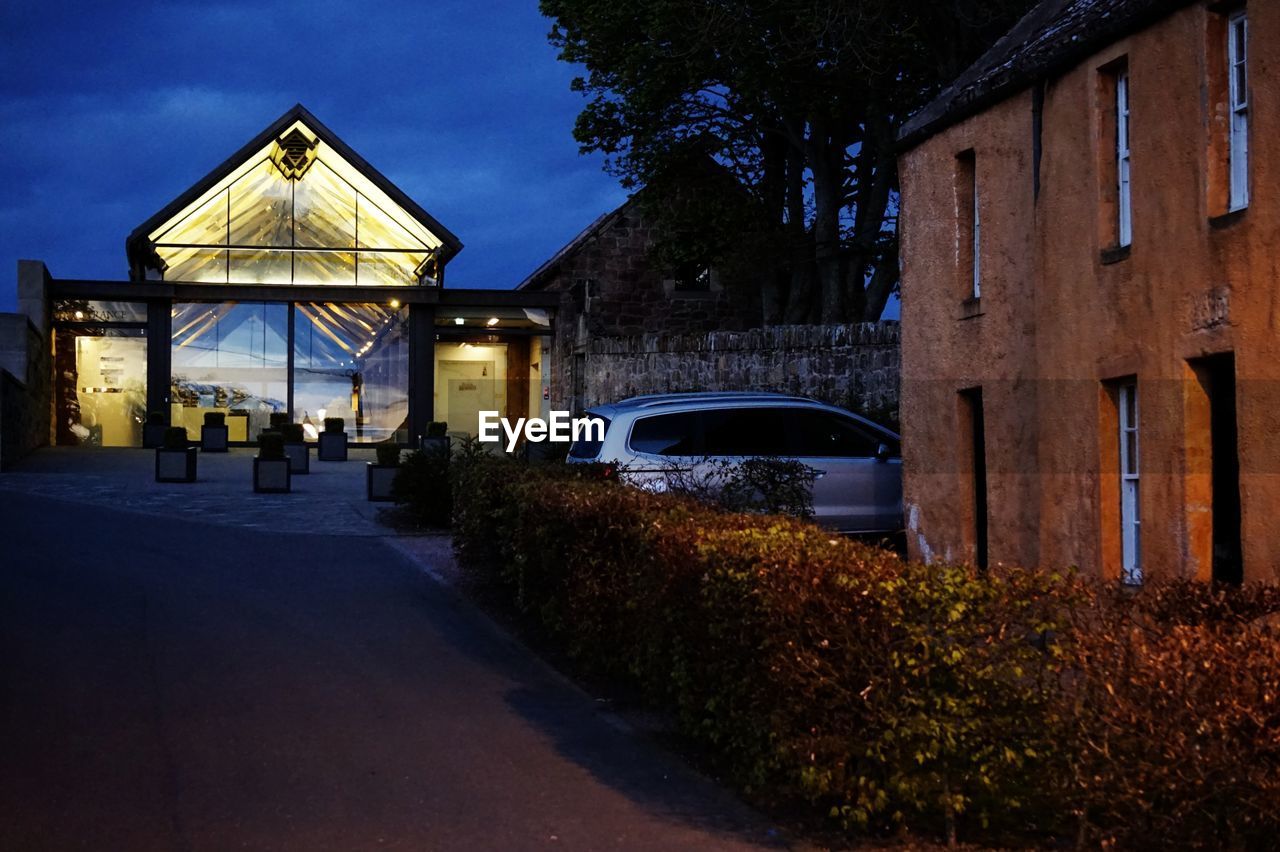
column 327, row 224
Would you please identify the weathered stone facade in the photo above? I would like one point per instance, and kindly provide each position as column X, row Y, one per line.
column 1022, row 380
column 610, row 287
column 855, row 366
column 25, row 381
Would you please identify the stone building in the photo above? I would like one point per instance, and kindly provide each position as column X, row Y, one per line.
column 610, row 286
column 1091, row 333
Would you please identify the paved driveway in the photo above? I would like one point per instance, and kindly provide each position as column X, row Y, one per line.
column 172, row 684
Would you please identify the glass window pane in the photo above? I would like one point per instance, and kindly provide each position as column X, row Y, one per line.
column 822, row 433
column 383, row 269
column 230, row 357
column 206, row 225
column 352, row 361
column 744, row 432
column 668, row 435
column 324, row 210
column 378, row 230
column 204, row 266
column 262, row 208
column 327, row 267
column 250, row 266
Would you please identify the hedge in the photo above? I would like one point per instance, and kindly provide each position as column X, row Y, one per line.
column 823, row 674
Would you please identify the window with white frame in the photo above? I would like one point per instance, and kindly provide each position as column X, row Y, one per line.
column 1124, row 216
column 969, row 242
column 977, row 241
column 1130, row 521
column 1238, row 85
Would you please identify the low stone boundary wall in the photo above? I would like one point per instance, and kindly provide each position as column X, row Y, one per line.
column 854, row 365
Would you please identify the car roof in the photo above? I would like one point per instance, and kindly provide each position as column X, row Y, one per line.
column 719, row 399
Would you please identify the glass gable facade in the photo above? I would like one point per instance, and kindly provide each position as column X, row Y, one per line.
column 285, row 217
column 293, row 280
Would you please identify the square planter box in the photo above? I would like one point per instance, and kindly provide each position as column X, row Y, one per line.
column 299, row 457
column 332, row 446
column 271, row 476
column 214, row 439
column 379, row 478
column 436, row 447
column 153, row 435
column 176, row 465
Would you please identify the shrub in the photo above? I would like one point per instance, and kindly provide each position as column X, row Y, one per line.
column 1173, row 736
column 292, row 433
column 175, row 438
column 824, row 673
column 334, row 424
column 271, row 446
column 214, row 418
column 388, row 454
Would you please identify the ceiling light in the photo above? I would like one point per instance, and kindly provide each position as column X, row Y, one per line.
column 458, row 321
column 79, row 314
column 492, row 322
column 395, row 303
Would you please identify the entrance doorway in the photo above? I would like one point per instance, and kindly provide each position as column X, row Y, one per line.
column 975, row 423
column 470, row 378
column 1217, row 378
column 101, row 387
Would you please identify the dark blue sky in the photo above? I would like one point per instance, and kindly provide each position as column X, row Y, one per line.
column 109, row 110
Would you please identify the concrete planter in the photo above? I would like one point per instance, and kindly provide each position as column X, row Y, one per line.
column 436, row 447
column 331, row 446
column 214, row 439
column 153, row 435
column 299, row 458
column 378, row 478
column 271, row 476
column 176, row 465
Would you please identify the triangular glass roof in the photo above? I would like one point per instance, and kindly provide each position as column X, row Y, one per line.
column 295, row 206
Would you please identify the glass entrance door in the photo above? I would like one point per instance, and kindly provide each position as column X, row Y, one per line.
column 101, row 387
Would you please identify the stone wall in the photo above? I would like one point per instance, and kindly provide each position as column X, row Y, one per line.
column 855, row 366
column 25, row 377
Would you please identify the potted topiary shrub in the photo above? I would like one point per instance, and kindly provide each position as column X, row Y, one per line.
column 381, row 475
column 175, row 459
column 153, row 430
column 332, row 443
column 271, row 466
column 213, row 434
column 436, row 443
column 295, row 447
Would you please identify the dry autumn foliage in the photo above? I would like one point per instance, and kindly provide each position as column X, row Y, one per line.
column 1010, row 706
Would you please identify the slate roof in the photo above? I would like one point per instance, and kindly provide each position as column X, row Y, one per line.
column 1051, row 38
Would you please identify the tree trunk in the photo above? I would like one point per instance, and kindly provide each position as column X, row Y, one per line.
column 826, row 162
column 799, row 247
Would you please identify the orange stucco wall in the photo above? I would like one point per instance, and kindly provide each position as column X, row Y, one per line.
column 1056, row 322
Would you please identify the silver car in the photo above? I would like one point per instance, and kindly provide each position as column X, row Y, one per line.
column 858, row 485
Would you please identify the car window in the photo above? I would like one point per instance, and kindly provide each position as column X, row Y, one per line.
column 825, row 433
column 589, row 449
column 748, row 431
column 676, row 434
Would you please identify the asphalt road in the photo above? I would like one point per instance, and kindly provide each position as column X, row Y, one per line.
column 170, row 684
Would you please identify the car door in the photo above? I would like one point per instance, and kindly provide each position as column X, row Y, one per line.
column 858, row 488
